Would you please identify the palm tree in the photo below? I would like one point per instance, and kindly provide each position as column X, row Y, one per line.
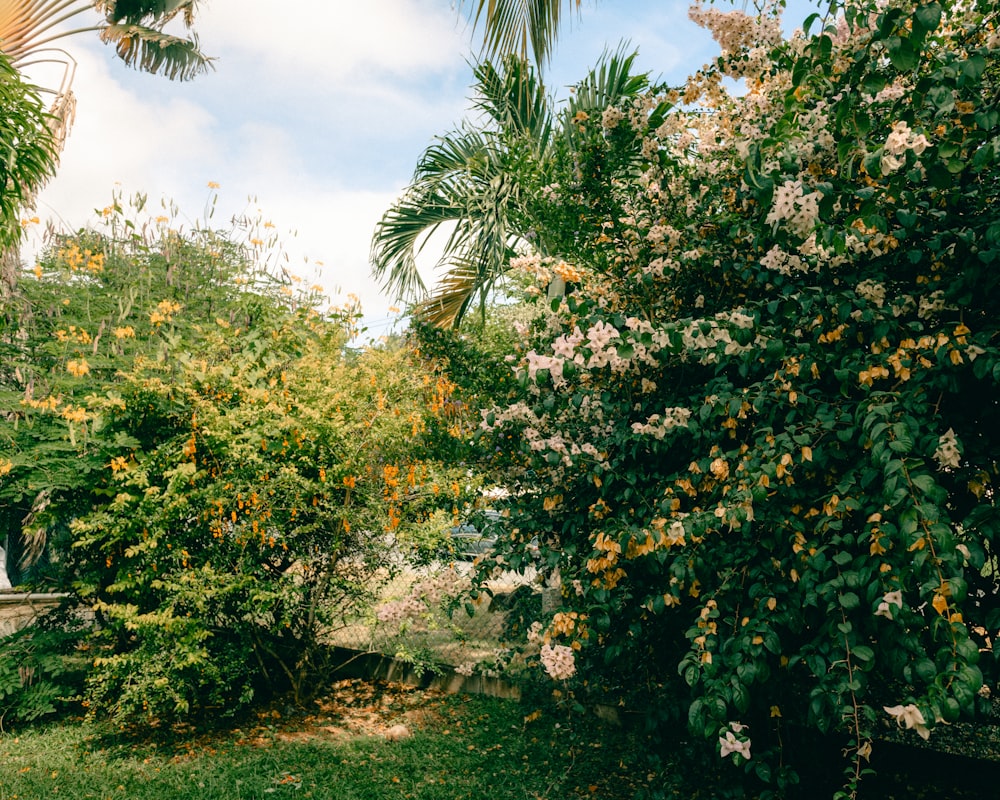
column 467, row 178
column 479, row 178
column 29, row 31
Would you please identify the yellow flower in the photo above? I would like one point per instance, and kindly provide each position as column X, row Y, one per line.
column 78, row 368
column 128, row 332
column 213, row 185
column 74, row 414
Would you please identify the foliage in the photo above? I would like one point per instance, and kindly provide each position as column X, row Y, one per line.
column 472, row 181
column 515, row 28
column 466, row 181
column 220, row 477
column 756, row 438
column 136, row 28
column 31, row 139
column 41, row 667
column 28, row 154
column 474, row 354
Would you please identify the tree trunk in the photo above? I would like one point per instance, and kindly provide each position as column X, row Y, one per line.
column 10, row 266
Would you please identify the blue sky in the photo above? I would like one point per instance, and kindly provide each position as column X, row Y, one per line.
column 314, row 120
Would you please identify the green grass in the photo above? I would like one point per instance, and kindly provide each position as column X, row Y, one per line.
column 461, row 747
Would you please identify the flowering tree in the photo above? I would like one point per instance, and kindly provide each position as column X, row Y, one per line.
column 758, row 433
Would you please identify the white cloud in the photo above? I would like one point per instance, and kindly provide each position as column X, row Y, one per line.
column 344, row 41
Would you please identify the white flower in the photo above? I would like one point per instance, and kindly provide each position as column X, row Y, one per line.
column 889, row 599
column 898, row 140
column 871, row 291
column 947, row 453
column 610, row 117
column 730, row 744
column 535, row 632
column 909, row 717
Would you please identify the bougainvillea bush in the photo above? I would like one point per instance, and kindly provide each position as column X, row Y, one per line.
column 757, row 438
column 220, row 478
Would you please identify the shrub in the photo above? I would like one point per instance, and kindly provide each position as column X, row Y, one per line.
column 756, row 436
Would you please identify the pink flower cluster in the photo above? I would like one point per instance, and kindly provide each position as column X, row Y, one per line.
column 558, row 661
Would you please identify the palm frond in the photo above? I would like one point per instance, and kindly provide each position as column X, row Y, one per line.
column 608, row 83
column 24, row 23
column 467, row 182
column 401, row 234
column 515, row 99
column 140, row 12
column 459, row 288
column 461, row 155
column 477, row 205
column 520, row 26
column 156, row 52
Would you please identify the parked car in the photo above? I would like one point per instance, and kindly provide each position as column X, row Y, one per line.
column 474, row 537
column 478, row 535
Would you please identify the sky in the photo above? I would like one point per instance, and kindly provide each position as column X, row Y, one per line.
column 311, row 121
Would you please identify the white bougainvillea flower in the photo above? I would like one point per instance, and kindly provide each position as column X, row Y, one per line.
column 730, row 745
column 558, row 661
column 909, row 716
column 889, row 599
column 948, row 453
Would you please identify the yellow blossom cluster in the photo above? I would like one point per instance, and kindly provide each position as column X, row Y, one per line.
column 77, row 367
column 73, row 334
column 74, row 414
column 164, row 312
column 82, row 260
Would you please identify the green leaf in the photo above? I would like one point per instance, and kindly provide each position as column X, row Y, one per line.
column 901, row 54
column 863, row 653
column 974, row 67
column 929, row 16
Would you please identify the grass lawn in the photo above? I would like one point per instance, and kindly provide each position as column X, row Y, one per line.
column 460, row 747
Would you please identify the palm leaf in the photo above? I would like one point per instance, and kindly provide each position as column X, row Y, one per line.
column 452, row 297
column 156, row 52
column 519, row 26
column 140, row 11
column 607, row 84
column 466, row 182
column 24, row 23
column 514, row 99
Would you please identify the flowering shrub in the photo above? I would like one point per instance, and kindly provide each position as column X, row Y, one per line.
column 758, row 431
column 230, row 477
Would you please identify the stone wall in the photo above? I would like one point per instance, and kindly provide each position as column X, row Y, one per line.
column 18, row 609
